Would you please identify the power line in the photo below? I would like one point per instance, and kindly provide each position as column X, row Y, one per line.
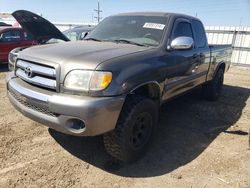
column 98, row 11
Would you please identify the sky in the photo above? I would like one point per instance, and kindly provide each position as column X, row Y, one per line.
column 211, row 12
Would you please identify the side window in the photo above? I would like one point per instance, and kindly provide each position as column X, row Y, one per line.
column 200, row 34
column 27, row 36
column 183, row 29
column 11, row 36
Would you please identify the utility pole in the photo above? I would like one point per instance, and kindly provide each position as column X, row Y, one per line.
column 98, row 11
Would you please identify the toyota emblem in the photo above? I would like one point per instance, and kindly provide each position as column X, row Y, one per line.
column 28, row 72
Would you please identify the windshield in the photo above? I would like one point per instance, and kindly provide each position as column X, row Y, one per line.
column 145, row 30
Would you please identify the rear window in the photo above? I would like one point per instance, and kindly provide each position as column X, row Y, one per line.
column 10, row 36
column 199, row 33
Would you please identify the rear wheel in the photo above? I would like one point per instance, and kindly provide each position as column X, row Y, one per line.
column 134, row 130
column 212, row 90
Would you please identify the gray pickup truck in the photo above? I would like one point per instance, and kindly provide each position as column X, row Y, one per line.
column 114, row 82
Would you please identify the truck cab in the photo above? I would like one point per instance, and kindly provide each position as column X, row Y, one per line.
column 114, row 82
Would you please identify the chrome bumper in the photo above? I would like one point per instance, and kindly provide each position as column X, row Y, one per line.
column 55, row 110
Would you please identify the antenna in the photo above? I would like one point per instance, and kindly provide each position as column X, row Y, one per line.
column 98, row 11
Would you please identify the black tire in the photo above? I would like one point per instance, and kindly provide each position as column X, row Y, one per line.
column 212, row 90
column 134, row 130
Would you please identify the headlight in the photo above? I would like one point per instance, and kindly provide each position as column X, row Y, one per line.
column 13, row 56
column 85, row 80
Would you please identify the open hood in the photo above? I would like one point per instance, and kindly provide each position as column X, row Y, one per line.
column 41, row 29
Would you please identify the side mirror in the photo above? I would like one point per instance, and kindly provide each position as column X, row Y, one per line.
column 182, row 43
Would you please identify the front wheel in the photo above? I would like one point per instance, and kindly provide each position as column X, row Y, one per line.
column 134, row 130
column 212, row 90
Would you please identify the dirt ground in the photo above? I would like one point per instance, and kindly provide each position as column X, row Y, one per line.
column 199, row 144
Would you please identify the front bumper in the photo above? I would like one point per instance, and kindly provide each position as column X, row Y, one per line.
column 56, row 110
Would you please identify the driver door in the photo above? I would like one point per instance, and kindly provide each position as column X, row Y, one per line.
column 181, row 64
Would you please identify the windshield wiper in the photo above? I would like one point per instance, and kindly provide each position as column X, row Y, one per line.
column 128, row 42
column 94, row 39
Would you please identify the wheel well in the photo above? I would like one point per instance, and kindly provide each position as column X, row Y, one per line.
column 151, row 90
column 222, row 66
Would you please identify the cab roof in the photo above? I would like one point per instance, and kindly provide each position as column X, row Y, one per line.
column 163, row 14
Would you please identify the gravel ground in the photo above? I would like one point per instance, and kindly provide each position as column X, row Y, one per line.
column 199, row 144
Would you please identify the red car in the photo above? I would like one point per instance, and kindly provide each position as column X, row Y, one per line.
column 13, row 37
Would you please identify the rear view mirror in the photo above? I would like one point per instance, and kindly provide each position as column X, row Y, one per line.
column 182, row 43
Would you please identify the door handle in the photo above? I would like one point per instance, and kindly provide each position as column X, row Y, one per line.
column 195, row 68
column 201, row 55
column 195, row 56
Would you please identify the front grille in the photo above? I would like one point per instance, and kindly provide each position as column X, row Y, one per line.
column 36, row 74
column 24, row 101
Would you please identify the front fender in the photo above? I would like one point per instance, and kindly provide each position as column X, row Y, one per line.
column 132, row 71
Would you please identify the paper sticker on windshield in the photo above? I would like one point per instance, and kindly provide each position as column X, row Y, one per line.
column 154, row 26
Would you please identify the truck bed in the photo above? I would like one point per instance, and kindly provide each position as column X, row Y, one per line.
column 220, row 53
